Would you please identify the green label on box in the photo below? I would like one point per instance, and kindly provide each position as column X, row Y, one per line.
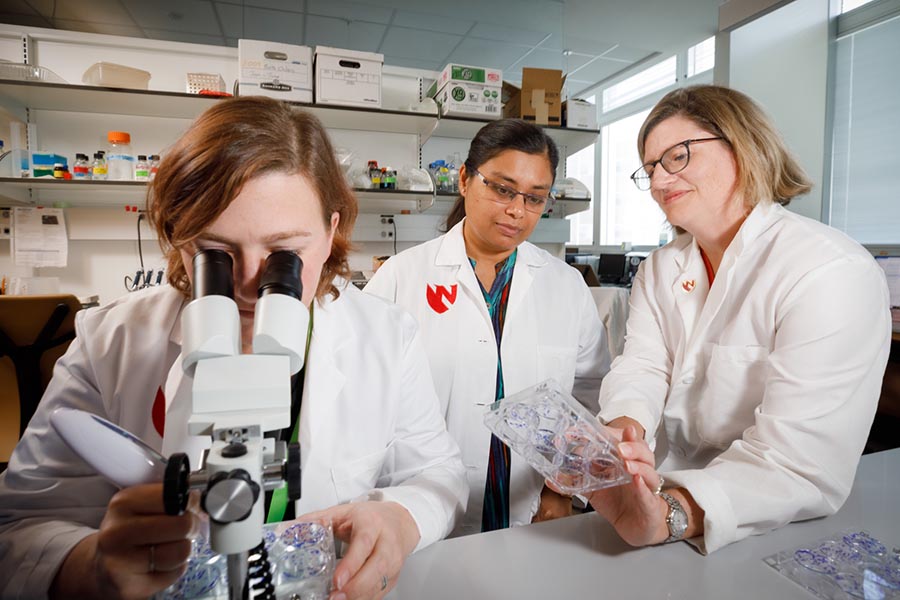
column 467, row 74
column 458, row 93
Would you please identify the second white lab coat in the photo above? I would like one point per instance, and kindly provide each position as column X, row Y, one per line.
column 552, row 329
column 760, row 390
column 369, row 419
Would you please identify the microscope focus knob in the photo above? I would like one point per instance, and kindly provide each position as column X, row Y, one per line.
column 292, row 472
column 176, row 487
column 230, row 496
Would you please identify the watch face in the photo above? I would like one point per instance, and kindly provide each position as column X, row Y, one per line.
column 678, row 522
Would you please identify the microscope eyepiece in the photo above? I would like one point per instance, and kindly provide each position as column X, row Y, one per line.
column 281, row 275
column 213, row 274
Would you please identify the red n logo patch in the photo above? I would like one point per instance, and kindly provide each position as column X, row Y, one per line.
column 440, row 298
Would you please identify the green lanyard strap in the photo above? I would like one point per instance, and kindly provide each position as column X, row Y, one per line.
column 279, row 503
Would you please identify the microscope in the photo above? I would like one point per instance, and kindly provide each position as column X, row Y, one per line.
column 236, row 398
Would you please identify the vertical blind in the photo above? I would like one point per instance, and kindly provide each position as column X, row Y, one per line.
column 865, row 184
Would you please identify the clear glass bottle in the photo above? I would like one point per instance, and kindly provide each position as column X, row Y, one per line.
column 119, row 159
column 142, row 168
column 98, row 167
column 82, row 168
column 154, row 166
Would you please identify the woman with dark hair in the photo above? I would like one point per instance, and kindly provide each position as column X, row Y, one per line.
column 498, row 315
column 756, row 342
column 252, row 176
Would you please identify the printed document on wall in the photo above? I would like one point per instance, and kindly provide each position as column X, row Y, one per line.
column 39, row 237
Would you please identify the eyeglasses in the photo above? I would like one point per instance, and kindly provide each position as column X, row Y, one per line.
column 673, row 160
column 503, row 194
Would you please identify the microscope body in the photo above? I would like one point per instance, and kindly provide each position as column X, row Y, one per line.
column 236, row 398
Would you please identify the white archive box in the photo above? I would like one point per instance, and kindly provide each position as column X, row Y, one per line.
column 579, row 114
column 348, row 77
column 461, row 90
column 282, row 71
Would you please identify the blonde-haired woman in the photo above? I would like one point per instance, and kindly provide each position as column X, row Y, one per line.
column 756, row 341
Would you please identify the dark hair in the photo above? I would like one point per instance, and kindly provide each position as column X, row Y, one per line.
column 497, row 137
column 228, row 145
column 766, row 170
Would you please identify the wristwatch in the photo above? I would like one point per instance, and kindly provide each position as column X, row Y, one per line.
column 676, row 519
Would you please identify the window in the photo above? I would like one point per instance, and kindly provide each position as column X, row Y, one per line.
column 627, row 214
column 701, row 57
column 581, row 225
column 637, row 86
column 620, row 213
column 848, row 5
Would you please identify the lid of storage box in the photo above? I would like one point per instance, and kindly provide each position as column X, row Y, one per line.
column 343, row 53
column 470, row 74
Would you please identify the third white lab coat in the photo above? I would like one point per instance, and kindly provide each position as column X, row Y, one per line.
column 762, row 389
column 552, row 329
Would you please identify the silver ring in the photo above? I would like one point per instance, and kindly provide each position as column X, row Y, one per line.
column 152, row 559
column 659, row 486
column 384, row 581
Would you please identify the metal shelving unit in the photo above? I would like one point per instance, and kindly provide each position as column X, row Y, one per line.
column 21, row 96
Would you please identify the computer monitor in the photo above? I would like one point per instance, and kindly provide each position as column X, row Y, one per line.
column 611, row 268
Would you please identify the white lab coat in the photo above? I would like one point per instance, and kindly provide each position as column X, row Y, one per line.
column 552, row 329
column 764, row 387
column 369, row 419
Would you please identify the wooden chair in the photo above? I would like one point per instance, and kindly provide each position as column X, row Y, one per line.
column 34, row 332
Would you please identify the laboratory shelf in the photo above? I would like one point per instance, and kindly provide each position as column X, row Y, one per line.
column 572, row 140
column 32, row 95
column 73, row 192
column 20, row 96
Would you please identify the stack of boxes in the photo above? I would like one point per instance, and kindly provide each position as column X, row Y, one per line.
column 353, row 78
column 287, row 72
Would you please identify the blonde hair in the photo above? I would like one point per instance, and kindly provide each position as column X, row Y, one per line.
column 766, row 170
column 228, row 145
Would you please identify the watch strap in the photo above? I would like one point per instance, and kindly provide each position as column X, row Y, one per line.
column 675, row 516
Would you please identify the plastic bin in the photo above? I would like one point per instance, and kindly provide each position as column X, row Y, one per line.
column 113, row 75
column 28, row 73
column 197, row 82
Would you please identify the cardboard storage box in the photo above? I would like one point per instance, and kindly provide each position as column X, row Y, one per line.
column 348, row 77
column 282, row 71
column 579, row 114
column 466, row 91
column 539, row 100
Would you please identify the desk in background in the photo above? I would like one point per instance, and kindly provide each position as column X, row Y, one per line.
column 583, row 557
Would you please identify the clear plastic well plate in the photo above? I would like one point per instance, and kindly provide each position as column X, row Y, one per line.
column 845, row 566
column 557, row 436
column 301, row 556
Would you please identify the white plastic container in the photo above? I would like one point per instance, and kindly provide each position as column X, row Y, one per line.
column 113, row 75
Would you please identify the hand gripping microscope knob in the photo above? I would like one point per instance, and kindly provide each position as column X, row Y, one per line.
column 176, row 486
